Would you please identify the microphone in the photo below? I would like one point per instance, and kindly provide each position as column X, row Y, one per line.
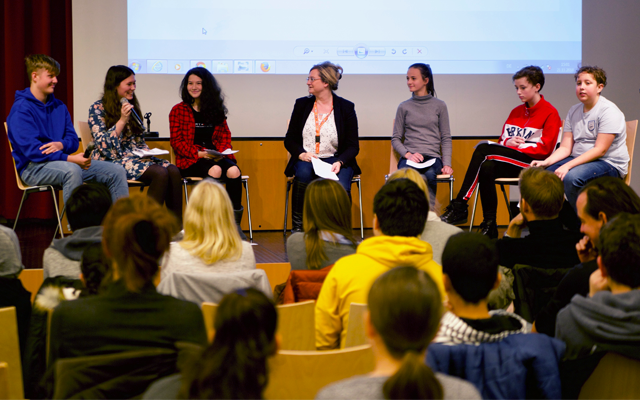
column 133, row 111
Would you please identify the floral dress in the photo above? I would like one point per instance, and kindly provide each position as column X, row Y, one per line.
column 116, row 148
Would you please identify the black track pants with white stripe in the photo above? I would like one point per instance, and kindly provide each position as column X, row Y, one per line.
column 488, row 163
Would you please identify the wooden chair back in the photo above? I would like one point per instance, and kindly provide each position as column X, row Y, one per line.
column 301, row 374
column 632, row 129
column 276, row 272
column 615, row 377
column 356, row 335
column 85, row 134
column 4, row 380
column 209, row 314
column 21, row 185
column 10, row 352
column 297, row 325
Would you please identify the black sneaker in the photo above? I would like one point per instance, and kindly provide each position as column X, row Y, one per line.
column 456, row 213
column 489, row 228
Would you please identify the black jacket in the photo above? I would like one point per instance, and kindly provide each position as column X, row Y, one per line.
column 346, row 124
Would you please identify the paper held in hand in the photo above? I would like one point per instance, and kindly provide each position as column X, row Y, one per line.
column 149, row 152
column 422, row 165
column 323, row 169
column 218, row 153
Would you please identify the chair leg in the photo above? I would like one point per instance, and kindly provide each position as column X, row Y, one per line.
column 360, row 199
column 450, row 190
column 475, row 204
column 58, row 215
column 24, row 195
column 286, row 207
column 507, row 202
column 186, row 194
column 246, row 191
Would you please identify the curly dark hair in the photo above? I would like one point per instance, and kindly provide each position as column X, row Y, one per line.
column 111, row 102
column 211, row 99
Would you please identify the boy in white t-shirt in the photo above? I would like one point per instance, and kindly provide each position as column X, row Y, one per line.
column 594, row 139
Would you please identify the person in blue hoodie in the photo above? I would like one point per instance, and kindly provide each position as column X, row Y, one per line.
column 43, row 138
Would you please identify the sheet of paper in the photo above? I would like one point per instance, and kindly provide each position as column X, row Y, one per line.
column 149, row 152
column 422, row 165
column 487, row 142
column 224, row 153
column 323, row 169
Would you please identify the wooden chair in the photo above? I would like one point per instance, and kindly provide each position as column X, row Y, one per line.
column 440, row 178
column 276, row 272
column 194, row 180
column 615, row 377
column 209, row 311
column 4, row 380
column 301, row 374
column 356, row 335
column 87, row 137
column 632, row 130
column 27, row 190
column 296, row 325
column 10, row 352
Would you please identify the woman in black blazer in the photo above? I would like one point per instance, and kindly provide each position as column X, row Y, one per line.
column 323, row 126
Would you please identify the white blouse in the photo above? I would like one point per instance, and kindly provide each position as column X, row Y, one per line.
column 328, row 135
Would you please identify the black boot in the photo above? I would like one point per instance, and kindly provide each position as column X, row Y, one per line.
column 237, row 215
column 456, row 213
column 297, row 205
column 489, row 228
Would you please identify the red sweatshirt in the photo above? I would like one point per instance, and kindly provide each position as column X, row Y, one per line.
column 539, row 126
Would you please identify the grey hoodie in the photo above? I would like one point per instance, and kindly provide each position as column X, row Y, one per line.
column 604, row 322
column 62, row 258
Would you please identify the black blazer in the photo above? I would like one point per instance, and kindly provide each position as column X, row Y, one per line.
column 344, row 113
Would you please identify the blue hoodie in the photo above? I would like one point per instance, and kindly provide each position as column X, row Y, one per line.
column 32, row 124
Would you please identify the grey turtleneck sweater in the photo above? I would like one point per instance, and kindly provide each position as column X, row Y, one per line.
column 422, row 126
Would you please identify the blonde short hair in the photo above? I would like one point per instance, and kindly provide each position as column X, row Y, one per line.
column 414, row 176
column 210, row 231
column 34, row 62
column 330, row 73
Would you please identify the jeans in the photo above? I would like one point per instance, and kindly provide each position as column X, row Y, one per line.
column 70, row 176
column 577, row 177
column 305, row 174
column 429, row 173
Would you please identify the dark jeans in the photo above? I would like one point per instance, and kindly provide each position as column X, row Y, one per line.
column 429, row 173
column 489, row 162
column 305, row 174
column 233, row 185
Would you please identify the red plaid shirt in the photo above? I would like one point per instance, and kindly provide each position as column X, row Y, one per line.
column 183, row 131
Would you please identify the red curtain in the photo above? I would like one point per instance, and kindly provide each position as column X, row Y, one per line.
column 31, row 27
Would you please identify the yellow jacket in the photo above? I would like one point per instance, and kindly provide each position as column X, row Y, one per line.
column 351, row 277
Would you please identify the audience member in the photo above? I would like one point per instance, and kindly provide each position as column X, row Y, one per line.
column 130, row 315
column 12, row 293
column 400, row 211
column 548, row 244
column 609, row 318
column 211, row 241
column 404, row 312
column 470, row 269
column 85, row 209
column 598, row 202
column 435, row 232
column 234, row 366
column 326, row 220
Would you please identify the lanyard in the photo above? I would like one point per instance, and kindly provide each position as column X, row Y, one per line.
column 318, row 127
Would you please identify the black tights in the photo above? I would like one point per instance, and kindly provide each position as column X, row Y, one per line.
column 165, row 184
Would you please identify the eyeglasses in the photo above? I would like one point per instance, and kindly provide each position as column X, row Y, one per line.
column 312, row 79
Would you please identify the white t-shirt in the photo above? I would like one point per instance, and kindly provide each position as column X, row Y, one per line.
column 604, row 117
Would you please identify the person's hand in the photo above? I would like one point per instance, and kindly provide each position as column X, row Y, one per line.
column 51, row 147
column 335, row 167
column 307, row 156
column 597, row 283
column 415, row 157
column 515, row 141
column 562, row 171
column 79, row 159
column 204, row 154
column 447, row 170
column 516, row 225
column 586, row 250
column 539, row 163
column 125, row 112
